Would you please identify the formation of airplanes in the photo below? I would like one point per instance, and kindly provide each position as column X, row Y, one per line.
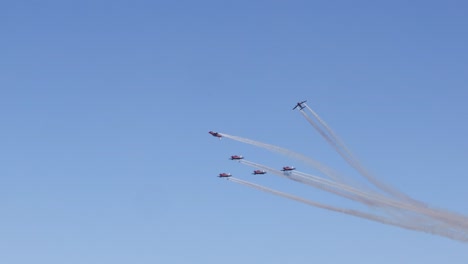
column 255, row 172
column 239, row 157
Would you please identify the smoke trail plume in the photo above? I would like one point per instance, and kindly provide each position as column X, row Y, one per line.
column 368, row 198
column 349, row 157
column 372, row 199
column 384, row 220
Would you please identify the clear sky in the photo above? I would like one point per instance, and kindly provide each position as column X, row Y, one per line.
column 105, row 108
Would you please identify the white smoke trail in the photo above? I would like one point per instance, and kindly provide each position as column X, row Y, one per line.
column 446, row 220
column 446, row 233
column 370, row 198
column 330, row 131
column 349, row 157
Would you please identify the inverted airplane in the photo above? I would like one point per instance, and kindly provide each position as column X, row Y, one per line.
column 236, row 157
column 215, row 134
column 224, row 175
column 300, row 105
column 287, row 168
column 255, row 172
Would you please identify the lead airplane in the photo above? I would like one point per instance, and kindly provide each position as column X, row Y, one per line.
column 300, row 105
column 215, row 134
column 255, row 172
column 287, row 168
column 224, row 175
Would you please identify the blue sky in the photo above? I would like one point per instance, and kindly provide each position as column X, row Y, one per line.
column 105, row 108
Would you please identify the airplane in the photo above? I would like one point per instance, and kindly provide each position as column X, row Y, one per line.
column 224, row 175
column 215, row 134
column 299, row 104
column 287, row 168
column 255, row 172
column 236, row 157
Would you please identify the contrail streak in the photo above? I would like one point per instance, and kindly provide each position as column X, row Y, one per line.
column 367, row 198
column 329, row 130
column 349, row 157
column 376, row 218
column 371, row 199
column 375, row 199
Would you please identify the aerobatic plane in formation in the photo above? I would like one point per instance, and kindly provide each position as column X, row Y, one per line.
column 215, row 134
column 236, row 157
column 300, row 105
column 287, row 168
column 255, row 172
column 224, row 175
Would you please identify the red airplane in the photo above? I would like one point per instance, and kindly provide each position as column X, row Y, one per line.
column 224, row 175
column 299, row 104
column 287, row 168
column 236, row 157
column 215, row 134
column 258, row 172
